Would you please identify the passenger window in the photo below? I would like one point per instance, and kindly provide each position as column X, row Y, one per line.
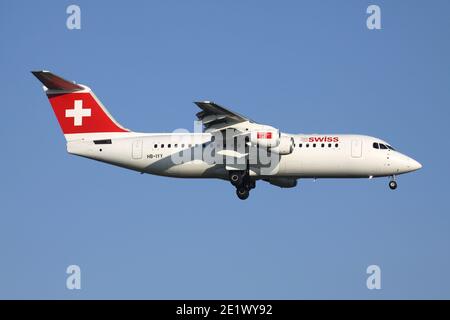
column 375, row 145
column 314, row 145
column 168, row 146
column 329, row 145
column 175, row 145
column 382, row 146
column 155, row 146
column 323, row 145
column 300, row 145
column 182, row 145
column 307, row 145
column 336, row 145
column 162, row 146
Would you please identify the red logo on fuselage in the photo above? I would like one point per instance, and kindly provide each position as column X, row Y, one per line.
column 323, row 139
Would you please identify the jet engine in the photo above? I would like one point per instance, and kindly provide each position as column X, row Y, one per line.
column 265, row 138
column 285, row 146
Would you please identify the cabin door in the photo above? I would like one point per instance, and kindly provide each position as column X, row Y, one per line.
column 356, row 148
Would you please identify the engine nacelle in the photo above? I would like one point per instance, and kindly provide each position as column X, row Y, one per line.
column 265, row 138
column 283, row 182
column 286, row 146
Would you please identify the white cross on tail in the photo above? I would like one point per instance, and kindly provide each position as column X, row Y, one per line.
column 77, row 113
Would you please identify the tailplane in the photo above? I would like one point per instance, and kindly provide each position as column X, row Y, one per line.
column 78, row 110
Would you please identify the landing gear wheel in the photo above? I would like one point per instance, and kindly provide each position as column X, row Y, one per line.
column 236, row 178
column 393, row 185
column 242, row 193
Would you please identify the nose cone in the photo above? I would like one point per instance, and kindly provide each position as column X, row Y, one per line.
column 404, row 164
column 414, row 165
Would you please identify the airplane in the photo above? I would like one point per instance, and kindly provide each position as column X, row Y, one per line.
column 227, row 146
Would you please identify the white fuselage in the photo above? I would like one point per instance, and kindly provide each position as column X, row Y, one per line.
column 227, row 146
column 352, row 156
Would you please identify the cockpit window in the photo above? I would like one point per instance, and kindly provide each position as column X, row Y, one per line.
column 377, row 145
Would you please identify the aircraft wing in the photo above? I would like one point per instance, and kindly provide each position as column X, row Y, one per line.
column 214, row 115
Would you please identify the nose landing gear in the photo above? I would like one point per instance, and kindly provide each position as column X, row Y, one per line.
column 393, row 184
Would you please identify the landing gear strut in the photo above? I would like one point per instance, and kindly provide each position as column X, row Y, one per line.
column 393, row 184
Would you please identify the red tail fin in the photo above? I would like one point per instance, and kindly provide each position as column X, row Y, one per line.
column 76, row 107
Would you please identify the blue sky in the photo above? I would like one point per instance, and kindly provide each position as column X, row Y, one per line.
column 302, row 66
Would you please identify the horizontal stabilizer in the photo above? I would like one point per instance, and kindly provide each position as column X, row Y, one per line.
column 53, row 82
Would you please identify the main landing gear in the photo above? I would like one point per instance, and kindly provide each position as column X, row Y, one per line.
column 393, row 183
column 236, row 177
column 242, row 192
column 243, row 183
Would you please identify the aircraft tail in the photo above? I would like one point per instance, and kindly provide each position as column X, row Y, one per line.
column 78, row 110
